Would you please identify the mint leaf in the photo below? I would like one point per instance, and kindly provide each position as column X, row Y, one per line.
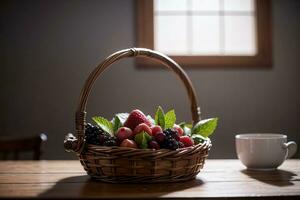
column 104, row 124
column 116, row 123
column 160, row 117
column 183, row 124
column 199, row 139
column 152, row 121
column 189, row 125
column 123, row 117
column 170, row 119
column 205, row 127
column 142, row 139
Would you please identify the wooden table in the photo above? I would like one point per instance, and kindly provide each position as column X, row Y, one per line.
column 219, row 179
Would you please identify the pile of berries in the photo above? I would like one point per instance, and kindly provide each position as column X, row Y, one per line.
column 95, row 135
column 138, row 131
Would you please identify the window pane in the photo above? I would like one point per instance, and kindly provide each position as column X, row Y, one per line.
column 206, row 35
column 170, row 34
column 239, row 5
column 205, row 5
column 170, row 5
column 240, row 35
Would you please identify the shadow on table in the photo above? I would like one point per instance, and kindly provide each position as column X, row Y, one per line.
column 277, row 178
column 84, row 186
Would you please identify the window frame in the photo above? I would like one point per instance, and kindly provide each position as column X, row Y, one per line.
column 263, row 58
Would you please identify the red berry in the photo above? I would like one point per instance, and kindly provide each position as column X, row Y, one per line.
column 129, row 143
column 154, row 145
column 160, row 137
column 124, row 133
column 156, row 129
column 176, row 137
column 142, row 127
column 181, row 145
column 178, row 129
column 187, row 141
column 135, row 118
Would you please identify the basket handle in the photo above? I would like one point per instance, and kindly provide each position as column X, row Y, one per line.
column 80, row 118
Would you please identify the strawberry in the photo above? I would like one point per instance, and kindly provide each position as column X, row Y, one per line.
column 187, row 141
column 142, row 127
column 128, row 143
column 156, row 129
column 124, row 133
column 178, row 129
column 135, row 118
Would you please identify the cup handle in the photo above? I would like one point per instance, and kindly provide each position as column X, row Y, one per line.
column 291, row 148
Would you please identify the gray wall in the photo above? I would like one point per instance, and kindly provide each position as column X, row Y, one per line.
column 48, row 49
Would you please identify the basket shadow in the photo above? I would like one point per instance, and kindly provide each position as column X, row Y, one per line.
column 277, row 177
column 84, row 186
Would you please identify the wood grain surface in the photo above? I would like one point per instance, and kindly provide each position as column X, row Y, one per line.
column 220, row 179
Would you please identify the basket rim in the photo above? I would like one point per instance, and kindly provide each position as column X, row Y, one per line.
column 206, row 143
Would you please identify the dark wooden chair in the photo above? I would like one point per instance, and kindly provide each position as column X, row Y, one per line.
column 15, row 146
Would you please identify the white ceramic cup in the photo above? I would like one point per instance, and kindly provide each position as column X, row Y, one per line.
column 263, row 151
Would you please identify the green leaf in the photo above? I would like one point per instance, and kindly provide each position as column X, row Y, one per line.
column 183, row 124
column 123, row 117
column 151, row 119
column 116, row 123
column 142, row 139
column 205, row 127
column 104, row 124
column 170, row 119
column 199, row 139
column 189, row 125
column 160, row 117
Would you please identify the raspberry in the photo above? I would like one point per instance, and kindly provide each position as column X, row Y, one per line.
column 124, row 133
column 156, row 129
column 178, row 129
column 181, row 145
column 187, row 141
column 135, row 118
column 129, row 143
column 154, row 145
column 142, row 127
column 160, row 137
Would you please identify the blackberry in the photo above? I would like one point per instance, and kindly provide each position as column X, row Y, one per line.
column 171, row 140
column 172, row 133
column 172, row 144
column 92, row 134
column 95, row 135
column 111, row 141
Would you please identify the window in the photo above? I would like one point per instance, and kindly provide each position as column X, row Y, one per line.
column 231, row 33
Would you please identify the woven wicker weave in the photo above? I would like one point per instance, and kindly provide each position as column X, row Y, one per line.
column 121, row 164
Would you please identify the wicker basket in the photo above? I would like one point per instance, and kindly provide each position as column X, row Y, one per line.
column 121, row 164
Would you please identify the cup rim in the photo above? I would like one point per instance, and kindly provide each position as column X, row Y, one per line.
column 260, row 136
